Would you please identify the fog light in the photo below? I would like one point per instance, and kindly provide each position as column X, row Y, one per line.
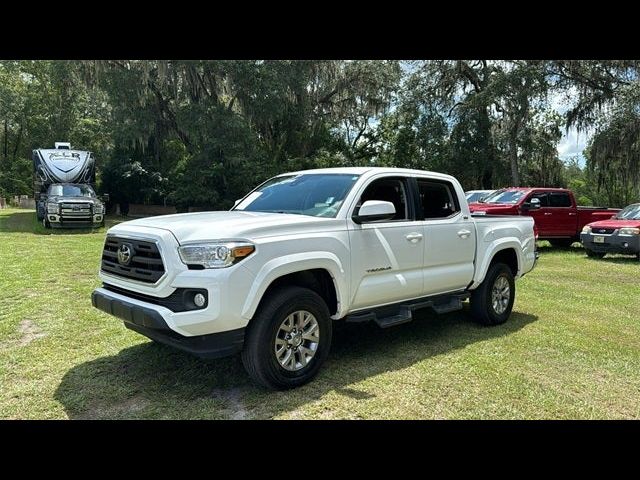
column 52, row 218
column 625, row 245
column 98, row 218
column 199, row 299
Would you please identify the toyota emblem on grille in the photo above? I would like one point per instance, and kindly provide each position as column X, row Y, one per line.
column 125, row 252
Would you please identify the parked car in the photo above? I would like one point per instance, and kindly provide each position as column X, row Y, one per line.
column 620, row 234
column 302, row 250
column 557, row 216
column 477, row 195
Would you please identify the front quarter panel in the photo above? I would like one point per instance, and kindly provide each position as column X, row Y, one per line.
column 279, row 256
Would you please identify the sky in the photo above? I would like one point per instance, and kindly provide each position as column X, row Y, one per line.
column 572, row 143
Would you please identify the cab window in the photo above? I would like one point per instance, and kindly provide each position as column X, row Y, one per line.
column 437, row 199
column 542, row 196
column 392, row 190
column 559, row 199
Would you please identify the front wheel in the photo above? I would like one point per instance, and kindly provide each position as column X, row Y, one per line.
column 288, row 339
column 592, row 254
column 46, row 223
column 492, row 301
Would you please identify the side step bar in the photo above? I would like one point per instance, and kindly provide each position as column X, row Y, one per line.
column 404, row 312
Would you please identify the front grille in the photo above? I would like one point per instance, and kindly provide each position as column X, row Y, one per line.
column 80, row 209
column 145, row 262
column 607, row 231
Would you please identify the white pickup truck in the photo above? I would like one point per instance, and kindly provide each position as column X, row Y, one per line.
column 302, row 250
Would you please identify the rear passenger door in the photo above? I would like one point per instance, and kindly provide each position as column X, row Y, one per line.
column 449, row 237
column 563, row 216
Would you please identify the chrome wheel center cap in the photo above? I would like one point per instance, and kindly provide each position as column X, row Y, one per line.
column 296, row 339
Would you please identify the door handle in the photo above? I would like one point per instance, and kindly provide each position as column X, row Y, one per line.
column 572, row 214
column 414, row 237
column 464, row 233
column 548, row 213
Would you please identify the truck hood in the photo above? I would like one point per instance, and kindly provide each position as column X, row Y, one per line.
column 206, row 226
column 613, row 223
column 491, row 208
column 62, row 199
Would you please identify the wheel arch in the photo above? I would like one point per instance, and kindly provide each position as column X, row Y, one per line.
column 507, row 251
column 322, row 273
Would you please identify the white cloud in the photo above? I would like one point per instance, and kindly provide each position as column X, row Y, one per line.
column 572, row 143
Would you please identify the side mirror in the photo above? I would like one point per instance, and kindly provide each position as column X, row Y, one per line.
column 375, row 210
column 105, row 197
column 532, row 204
column 236, row 202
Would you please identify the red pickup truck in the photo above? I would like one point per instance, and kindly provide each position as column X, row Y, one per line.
column 554, row 210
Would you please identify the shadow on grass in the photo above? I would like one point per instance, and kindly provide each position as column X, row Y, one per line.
column 25, row 221
column 166, row 383
column 545, row 247
column 577, row 249
column 620, row 259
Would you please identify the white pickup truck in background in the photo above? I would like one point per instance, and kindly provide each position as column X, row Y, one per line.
column 305, row 249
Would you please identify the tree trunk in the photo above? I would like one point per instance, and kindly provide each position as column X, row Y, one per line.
column 6, row 139
column 513, row 160
column 17, row 145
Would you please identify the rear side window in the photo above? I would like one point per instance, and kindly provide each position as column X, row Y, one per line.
column 543, row 197
column 437, row 199
column 559, row 199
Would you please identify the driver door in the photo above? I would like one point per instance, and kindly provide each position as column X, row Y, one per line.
column 386, row 256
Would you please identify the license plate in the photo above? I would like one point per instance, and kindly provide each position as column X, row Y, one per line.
column 598, row 239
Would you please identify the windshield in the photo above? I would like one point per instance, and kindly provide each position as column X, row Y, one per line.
column 505, row 196
column 318, row 195
column 71, row 191
column 632, row 212
column 476, row 196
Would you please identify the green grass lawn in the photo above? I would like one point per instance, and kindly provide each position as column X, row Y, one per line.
column 570, row 350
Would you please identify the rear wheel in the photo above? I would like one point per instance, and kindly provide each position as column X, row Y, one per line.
column 492, row 301
column 562, row 242
column 592, row 254
column 288, row 339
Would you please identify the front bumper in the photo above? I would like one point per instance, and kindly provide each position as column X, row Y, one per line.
column 59, row 221
column 148, row 320
column 613, row 243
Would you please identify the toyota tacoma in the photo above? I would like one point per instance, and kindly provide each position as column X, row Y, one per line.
column 303, row 250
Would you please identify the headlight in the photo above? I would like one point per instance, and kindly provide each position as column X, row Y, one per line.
column 52, row 208
column 629, row 231
column 215, row 255
column 99, row 208
column 586, row 229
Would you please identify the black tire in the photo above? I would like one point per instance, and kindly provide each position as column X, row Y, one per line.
column 592, row 254
column 562, row 242
column 258, row 354
column 46, row 223
column 482, row 308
